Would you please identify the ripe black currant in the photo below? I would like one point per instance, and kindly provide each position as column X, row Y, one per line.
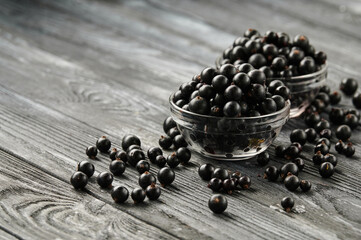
column 220, row 173
column 142, row 166
column 215, row 184
column 263, row 158
column 172, row 160
column 153, row 192
column 288, row 168
column 166, row 176
column 271, row 173
column 331, row 159
column 217, row 203
column 323, row 148
column 287, row 203
column 138, row 195
column 300, row 163
column 343, row 132
column 134, row 156
column 339, row 146
column 292, row 182
column 160, row 160
column 228, row 186
column 298, row 135
column 351, row 120
column 326, row 133
column 117, row 167
column 242, row 81
column 356, row 100
column 183, row 154
column 244, row 182
column 205, row 171
column 105, row 179
column 348, row 86
column 232, row 109
column 326, row 170
column 145, row 179
column 305, row 185
column 311, row 134
column 168, row 124
column 291, row 152
column 153, row 152
column 120, row 194
column 103, row 144
column 348, row 150
column 280, row 150
column 91, row 152
column 335, row 98
column 179, row 142
column 86, row 167
column 79, row 180
column 129, row 140
column 173, row 132
column 165, row 142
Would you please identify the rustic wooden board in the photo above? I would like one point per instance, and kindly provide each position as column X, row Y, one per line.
column 73, row 71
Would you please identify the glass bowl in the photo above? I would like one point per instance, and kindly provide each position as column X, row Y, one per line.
column 303, row 88
column 226, row 138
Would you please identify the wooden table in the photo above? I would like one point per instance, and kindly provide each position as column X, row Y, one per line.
column 72, row 71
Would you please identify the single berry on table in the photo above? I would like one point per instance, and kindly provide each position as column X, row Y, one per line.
column 217, row 203
column 348, row 150
column 120, row 194
column 160, row 160
column 271, row 173
column 228, row 185
column 322, row 124
column 91, row 152
column 165, row 142
column 146, row 179
column 349, row 86
column 335, row 97
column 153, row 192
column 339, row 146
column 343, row 132
column 312, row 119
column 291, row 152
column 105, row 179
column 292, row 182
column 244, row 182
column 179, row 142
column 138, row 195
column 153, row 152
column 287, row 203
column 305, row 185
column 129, row 140
column 263, row 158
column 142, row 166
column 117, row 167
column 215, row 184
column 113, row 153
column 79, row 180
column 205, row 171
column 326, row 170
column 131, row 147
column 86, row 167
column 103, row 144
column 183, row 154
column 166, row 176
column 172, row 160
column 298, row 135
column 337, row 116
column 122, row 155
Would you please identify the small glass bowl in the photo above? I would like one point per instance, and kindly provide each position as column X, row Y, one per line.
column 229, row 138
column 303, row 88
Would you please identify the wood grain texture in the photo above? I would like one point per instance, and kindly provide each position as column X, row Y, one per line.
column 73, row 71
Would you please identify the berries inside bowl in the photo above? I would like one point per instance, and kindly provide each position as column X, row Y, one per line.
column 230, row 113
column 296, row 63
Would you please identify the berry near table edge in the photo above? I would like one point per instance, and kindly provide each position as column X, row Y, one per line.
column 146, row 179
column 86, row 167
column 91, row 152
column 103, row 144
column 120, row 194
column 105, row 179
column 287, row 203
column 165, row 176
column 153, row 192
column 138, row 195
column 205, row 171
column 218, row 203
column 79, row 180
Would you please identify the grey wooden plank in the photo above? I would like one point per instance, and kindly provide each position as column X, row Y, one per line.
column 78, row 89
column 7, row 235
column 36, row 205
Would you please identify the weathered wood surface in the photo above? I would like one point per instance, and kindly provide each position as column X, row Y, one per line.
column 71, row 71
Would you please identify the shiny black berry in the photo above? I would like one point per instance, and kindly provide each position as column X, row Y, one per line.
column 227, row 70
column 298, row 135
column 348, row 150
column 232, row 109
column 208, row 74
column 291, row 152
column 205, row 171
column 271, row 173
column 356, row 100
column 326, row 170
column 179, row 142
column 117, row 167
column 134, row 156
column 263, row 158
column 183, row 154
column 280, row 150
column 103, row 144
column 153, row 192
column 131, row 147
column 166, row 176
column 242, row 81
column 165, row 142
column 86, row 167
column 323, row 148
column 173, row 132
column 257, row 77
column 244, row 182
column 283, row 91
column 153, row 152
column 217, row 203
column 199, row 105
column 142, row 166
column 335, row 97
column 138, row 195
column 292, row 182
column 312, row 119
column 311, row 134
column 337, row 115
column 168, row 124
column 305, row 185
column 318, row 158
column 105, row 179
column 320, row 57
column 326, row 133
column 322, row 124
column 280, row 101
column 323, row 141
column 279, row 63
column 79, row 180
column 331, row 159
column 215, row 184
column 351, row 120
column 343, row 132
column 228, row 186
column 339, row 146
column 220, row 83
column 91, row 152
column 300, row 163
column 233, row 93
column 160, row 161
column 257, row 60
column 120, row 194
column 172, row 160
column 348, row 86
column 288, row 168
column 146, row 179
column 220, row 173
column 207, row 92
column 268, row 106
column 287, row 203
column 129, row 140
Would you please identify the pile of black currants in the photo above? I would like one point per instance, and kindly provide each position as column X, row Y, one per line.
column 232, row 92
column 130, row 155
column 275, row 54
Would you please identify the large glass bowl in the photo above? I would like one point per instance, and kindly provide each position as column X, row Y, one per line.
column 303, row 88
column 225, row 138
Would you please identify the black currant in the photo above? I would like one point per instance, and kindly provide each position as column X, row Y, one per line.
column 300, row 163
column 312, row 119
column 103, row 144
column 287, row 203
column 244, row 182
column 205, row 171
column 113, row 153
column 311, row 134
column 117, row 167
column 138, row 195
column 166, row 176
column 320, row 57
column 280, row 101
column 349, row 86
column 173, row 132
column 179, row 142
column 288, row 168
column 233, row 93
column 146, row 179
column 258, row 92
column 242, row 81
column 275, row 84
column 331, row 159
column 215, row 184
column 228, row 186
column 307, row 66
column 183, row 154
column 165, row 142
column 305, row 185
column 91, row 152
column 172, row 160
column 326, row 170
column 348, row 150
column 251, row 32
column 324, row 141
column 335, row 98
column 263, row 158
column 86, row 167
column 356, row 100
column 153, row 192
column 217, row 203
column 322, row 124
column 279, row 63
column 300, row 41
column 220, row 173
column 323, row 148
column 153, row 152
column 326, row 133
column 298, row 135
column 339, row 146
column 292, row 182
column 160, row 160
column 120, row 194
column 280, row 150
column 134, row 156
column 207, row 92
column 105, row 179
column 129, row 140
column 324, row 98
column 271, row 173
column 79, row 180
column 336, row 115
column 318, row 158
column 295, row 56
column 142, row 166
column 291, row 152
column 245, row 68
column 199, row 105
column 268, row 106
column 283, row 91
column 257, row 60
column 232, row 109
column 343, row 132
column 208, row 74
column 257, row 76
column 351, row 120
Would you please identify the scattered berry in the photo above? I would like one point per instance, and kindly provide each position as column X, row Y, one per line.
column 146, row 179
column 160, row 160
column 120, row 194
column 244, row 182
column 288, row 168
column 305, row 185
column 129, row 140
column 138, row 195
column 263, row 158
column 287, row 203
column 105, row 179
column 292, row 182
column 91, row 152
column 86, row 167
column 339, row 146
column 343, row 132
column 205, row 171
column 215, row 184
column 348, row 86
column 79, row 180
column 220, row 173
column 348, row 150
column 179, row 142
column 153, row 192
column 142, row 166
column 217, row 203
column 103, row 144
column 271, row 173
column 165, row 142
column 326, row 170
column 153, row 152
column 183, row 154
column 166, row 176
column 298, row 135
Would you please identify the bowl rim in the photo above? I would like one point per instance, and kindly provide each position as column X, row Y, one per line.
column 286, row 108
column 291, row 79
